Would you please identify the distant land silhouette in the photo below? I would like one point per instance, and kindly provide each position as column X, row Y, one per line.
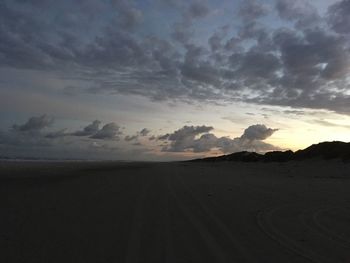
column 323, row 150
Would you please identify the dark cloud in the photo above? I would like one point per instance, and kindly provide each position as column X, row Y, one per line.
column 338, row 17
column 90, row 129
column 23, row 139
column 254, row 65
column 300, row 11
column 29, row 138
column 163, row 137
column 129, row 138
column 301, row 66
column 182, row 32
column 191, row 131
column 215, row 41
column 227, row 145
column 128, row 15
column 257, row 132
column 318, row 53
column 196, row 69
column 198, row 9
column 252, row 9
column 144, row 132
column 117, row 49
column 186, row 139
column 56, row 134
column 109, row 131
column 34, row 124
column 14, row 144
column 252, row 30
column 33, row 140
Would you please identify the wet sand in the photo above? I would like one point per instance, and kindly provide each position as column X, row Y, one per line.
column 175, row 212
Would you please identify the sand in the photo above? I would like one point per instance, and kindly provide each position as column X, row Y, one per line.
column 175, row 212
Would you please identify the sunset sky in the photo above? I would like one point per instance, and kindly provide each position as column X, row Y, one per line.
column 171, row 79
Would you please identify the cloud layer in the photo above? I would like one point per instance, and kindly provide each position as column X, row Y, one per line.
column 301, row 59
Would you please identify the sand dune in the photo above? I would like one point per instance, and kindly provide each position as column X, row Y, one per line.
column 175, row 212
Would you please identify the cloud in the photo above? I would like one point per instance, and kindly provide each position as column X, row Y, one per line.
column 215, row 41
column 254, row 65
column 34, row 139
column 338, row 17
column 128, row 15
column 109, row 131
column 56, row 134
column 252, row 9
column 34, row 128
column 303, row 65
column 15, row 138
column 29, row 138
column 129, row 138
column 198, row 9
column 227, row 145
column 144, row 132
column 330, row 124
column 35, row 124
column 185, row 132
column 300, row 11
column 182, row 30
column 99, row 142
column 257, row 132
column 90, row 129
column 185, row 139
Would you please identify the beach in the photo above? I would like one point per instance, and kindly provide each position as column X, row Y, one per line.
column 296, row 211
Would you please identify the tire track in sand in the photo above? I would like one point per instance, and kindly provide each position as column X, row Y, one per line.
column 169, row 248
column 134, row 242
column 312, row 220
column 139, row 221
column 212, row 243
column 264, row 221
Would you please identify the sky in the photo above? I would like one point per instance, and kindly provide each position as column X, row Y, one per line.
column 160, row 80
